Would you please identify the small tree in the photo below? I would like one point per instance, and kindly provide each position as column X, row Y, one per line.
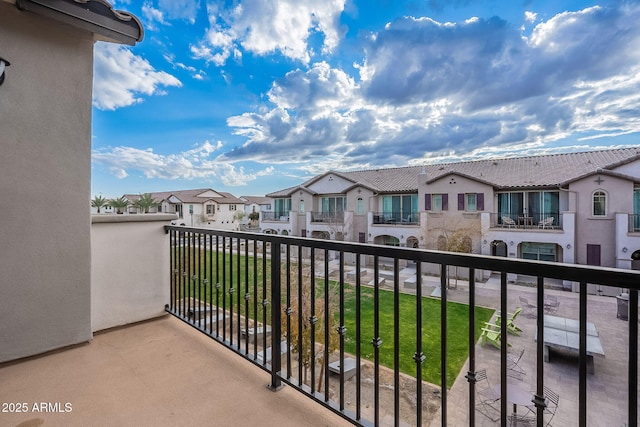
column 145, row 202
column 99, row 202
column 119, row 204
column 306, row 354
column 254, row 217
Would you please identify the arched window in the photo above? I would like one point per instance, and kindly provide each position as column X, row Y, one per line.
column 599, row 203
column 360, row 206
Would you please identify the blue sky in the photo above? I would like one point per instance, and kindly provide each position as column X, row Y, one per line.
column 253, row 96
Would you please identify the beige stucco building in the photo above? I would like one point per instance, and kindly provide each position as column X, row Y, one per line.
column 579, row 208
column 45, row 117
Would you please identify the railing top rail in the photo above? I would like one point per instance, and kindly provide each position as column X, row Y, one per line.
column 579, row 273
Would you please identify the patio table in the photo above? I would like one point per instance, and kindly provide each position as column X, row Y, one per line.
column 563, row 333
column 515, row 395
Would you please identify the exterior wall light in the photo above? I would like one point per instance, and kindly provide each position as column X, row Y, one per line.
column 624, row 250
column 3, row 64
column 568, row 245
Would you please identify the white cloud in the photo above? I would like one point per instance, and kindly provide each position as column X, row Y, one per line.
column 530, row 16
column 120, row 77
column 152, row 15
column 266, row 26
column 180, row 9
column 197, row 163
column 428, row 88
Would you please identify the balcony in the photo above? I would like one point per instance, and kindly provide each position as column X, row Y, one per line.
column 396, row 218
column 232, row 295
column 634, row 223
column 518, row 221
column 274, row 216
column 327, row 217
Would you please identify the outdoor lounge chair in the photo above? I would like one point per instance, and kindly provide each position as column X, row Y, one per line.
column 487, row 397
column 490, row 334
column 512, row 328
column 517, row 420
column 508, row 222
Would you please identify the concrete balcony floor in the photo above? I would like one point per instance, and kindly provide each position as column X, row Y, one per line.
column 157, row 373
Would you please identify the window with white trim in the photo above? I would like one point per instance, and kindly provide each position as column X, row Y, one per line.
column 599, row 203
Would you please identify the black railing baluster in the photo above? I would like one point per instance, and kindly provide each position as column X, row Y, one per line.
column 224, row 289
column 633, row 359
column 358, row 339
column 300, row 315
column 503, row 348
column 232, row 291
column 240, row 297
column 582, row 357
column 289, row 310
column 342, row 330
column 471, row 373
column 327, row 328
column 265, row 300
column 247, row 294
column 539, row 399
column 276, row 320
column 377, row 341
column 418, row 356
column 444, row 285
column 312, row 320
column 396, row 341
column 218, row 287
column 255, row 292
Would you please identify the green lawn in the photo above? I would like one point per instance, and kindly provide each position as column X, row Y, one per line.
column 457, row 332
column 243, row 275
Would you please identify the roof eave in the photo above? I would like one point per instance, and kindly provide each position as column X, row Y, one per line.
column 95, row 16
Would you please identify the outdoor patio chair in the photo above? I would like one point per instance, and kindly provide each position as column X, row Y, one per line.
column 512, row 328
column 530, row 310
column 546, row 223
column 487, row 397
column 491, row 334
column 508, row 222
column 551, row 304
column 551, row 399
column 514, row 370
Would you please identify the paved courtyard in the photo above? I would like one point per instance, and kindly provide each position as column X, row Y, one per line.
column 606, row 389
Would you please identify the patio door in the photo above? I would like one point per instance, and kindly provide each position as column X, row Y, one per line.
column 593, row 258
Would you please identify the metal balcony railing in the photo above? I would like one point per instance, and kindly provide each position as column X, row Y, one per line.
column 327, row 217
column 634, row 223
column 520, row 220
column 305, row 311
column 397, row 218
column 275, row 216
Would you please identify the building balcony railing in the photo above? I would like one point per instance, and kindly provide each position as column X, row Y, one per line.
column 634, row 223
column 327, row 217
column 275, row 216
column 318, row 316
column 398, row 218
column 522, row 221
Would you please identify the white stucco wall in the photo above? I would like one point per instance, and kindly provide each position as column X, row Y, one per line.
column 130, row 268
column 45, row 175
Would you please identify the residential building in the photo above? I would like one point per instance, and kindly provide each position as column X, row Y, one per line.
column 253, row 206
column 45, row 168
column 580, row 208
column 202, row 207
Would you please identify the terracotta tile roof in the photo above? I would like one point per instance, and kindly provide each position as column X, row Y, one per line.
column 511, row 172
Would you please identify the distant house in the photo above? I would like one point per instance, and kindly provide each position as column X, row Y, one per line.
column 202, row 207
column 581, row 208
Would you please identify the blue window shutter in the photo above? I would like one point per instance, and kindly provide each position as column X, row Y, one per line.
column 445, row 202
column 427, row 202
column 460, row 201
column 480, row 201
